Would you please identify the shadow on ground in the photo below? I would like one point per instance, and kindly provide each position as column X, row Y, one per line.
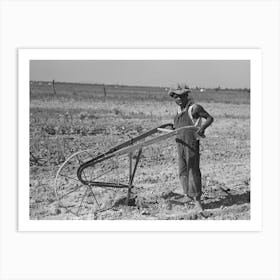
column 229, row 200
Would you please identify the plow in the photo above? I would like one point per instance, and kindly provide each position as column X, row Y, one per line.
column 88, row 182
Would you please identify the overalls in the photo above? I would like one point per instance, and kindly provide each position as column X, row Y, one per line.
column 188, row 154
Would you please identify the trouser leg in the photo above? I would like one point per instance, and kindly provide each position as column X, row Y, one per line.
column 189, row 171
column 194, row 172
column 183, row 170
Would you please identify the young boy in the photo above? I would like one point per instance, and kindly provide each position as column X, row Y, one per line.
column 187, row 141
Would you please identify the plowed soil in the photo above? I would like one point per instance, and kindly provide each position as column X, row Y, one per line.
column 80, row 117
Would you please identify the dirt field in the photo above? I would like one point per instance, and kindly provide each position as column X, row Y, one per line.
column 79, row 117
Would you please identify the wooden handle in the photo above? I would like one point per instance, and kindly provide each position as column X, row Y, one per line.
column 164, row 129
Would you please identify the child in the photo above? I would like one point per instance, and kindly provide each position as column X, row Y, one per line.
column 187, row 141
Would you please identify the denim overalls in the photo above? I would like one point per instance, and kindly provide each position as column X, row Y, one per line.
column 188, row 155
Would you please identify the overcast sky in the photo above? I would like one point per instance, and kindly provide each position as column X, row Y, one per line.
column 203, row 73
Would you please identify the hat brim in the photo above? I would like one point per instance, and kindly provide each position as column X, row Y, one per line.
column 179, row 92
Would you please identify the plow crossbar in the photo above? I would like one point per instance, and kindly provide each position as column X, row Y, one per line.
column 128, row 147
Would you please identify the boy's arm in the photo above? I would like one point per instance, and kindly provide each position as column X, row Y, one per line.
column 198, row 111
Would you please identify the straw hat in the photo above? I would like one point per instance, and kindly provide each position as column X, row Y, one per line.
column 179, row 89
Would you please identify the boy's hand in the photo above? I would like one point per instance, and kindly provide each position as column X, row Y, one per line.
column 200, row 132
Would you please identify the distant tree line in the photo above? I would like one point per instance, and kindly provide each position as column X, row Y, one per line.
column 219, row 88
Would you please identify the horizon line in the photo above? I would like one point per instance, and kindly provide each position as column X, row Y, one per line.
column 127, row 85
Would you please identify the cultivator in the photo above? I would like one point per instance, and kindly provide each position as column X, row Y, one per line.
column 86, row 182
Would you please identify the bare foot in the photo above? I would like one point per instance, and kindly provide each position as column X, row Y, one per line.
column 198, row 208
column 186, row 199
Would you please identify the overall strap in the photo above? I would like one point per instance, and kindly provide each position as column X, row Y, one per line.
column 197, row 122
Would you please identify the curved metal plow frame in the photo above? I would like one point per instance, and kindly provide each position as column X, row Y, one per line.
column 124, row 148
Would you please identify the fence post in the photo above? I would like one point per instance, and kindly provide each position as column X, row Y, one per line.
column 104, row 89
column 54, row 92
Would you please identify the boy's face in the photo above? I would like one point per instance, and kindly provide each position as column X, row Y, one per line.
column 181, row 100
